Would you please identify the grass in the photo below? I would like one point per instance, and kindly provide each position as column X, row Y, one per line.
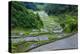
column 21, row 46
column 17, row 30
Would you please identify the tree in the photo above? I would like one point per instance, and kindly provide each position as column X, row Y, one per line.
column 23, row 17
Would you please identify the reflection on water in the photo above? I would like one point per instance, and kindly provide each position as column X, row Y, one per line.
column 36, row 38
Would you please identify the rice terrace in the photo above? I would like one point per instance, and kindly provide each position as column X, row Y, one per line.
column 42, row 26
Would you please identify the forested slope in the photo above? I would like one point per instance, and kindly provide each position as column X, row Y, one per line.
column 23, row 17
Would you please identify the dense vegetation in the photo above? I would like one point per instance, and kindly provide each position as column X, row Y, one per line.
column 66, row 15
column 23, row 17
column 61, row 9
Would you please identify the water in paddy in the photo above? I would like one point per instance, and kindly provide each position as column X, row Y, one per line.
column 29, row 39
column 36, row 38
